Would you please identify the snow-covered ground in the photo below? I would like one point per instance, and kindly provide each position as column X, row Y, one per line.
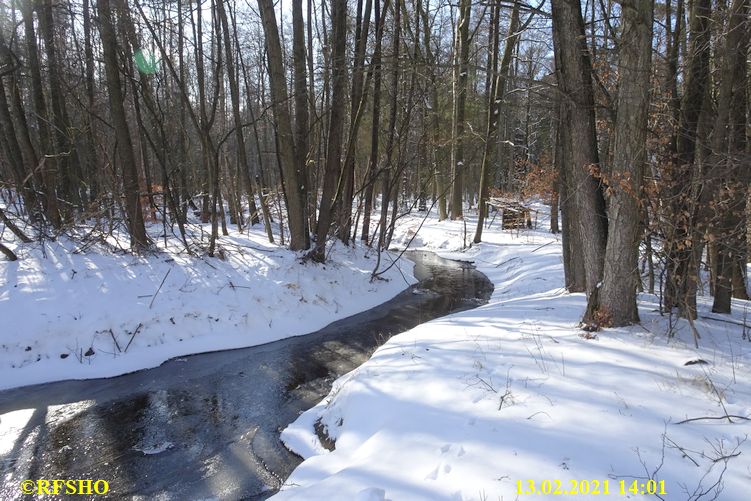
column 99, row 313
column 491, row 403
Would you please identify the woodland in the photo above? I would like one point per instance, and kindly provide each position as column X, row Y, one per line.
column 324, row 121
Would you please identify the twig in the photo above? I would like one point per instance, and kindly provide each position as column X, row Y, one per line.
column 726, row 416
column 160, row 288
column 133, row 336
column 544, row 245
column 506, row 261
column 233, row 286
column 683, row 451
column 117, row 345
column 741, row 324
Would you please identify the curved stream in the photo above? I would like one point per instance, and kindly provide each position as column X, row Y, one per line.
column 207, row 426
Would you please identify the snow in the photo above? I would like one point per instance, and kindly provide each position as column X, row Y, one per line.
column 465, row 406
column 58, row 305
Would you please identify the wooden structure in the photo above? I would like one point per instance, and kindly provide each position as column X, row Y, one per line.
column 514, row 214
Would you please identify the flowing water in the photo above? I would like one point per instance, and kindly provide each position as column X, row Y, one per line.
column 207, row 426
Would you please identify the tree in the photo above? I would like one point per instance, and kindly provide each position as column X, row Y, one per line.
column 136, row 228
column 574, row 74
column 495, row 98
column 730, row 179
column 242, row 155
column 681, row 251
column 617, row 298
column 294, row 178
column 333, row 170
column 460, row 78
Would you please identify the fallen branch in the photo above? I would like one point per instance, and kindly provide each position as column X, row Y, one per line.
column 15, row 229
column 133, row 336
column 726, row 416
column 160, row 288
column 741, row 324
column 8, row 253
column 540, row 247
column 117, row 345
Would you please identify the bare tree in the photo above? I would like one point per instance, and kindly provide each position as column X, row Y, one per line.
column 617, row 299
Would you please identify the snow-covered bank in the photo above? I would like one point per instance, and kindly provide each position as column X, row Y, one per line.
column 490, row 402
column 69, row 315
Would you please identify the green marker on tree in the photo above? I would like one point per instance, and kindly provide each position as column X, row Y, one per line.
column 146, row 62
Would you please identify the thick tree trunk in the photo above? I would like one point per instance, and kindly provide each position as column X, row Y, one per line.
column 574, row 72
column 573, row 262
column 618, row 294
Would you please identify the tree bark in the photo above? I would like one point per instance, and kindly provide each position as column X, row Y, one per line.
column 574, row 73
column 373, row 169
column 136, row 228
column 331, row 178
column 460, row 78
column 621, row 275
column 242, row 155
column 497, row 91
column 294, row 178
column 680, row 287
column 49, row 168
column 729, row 177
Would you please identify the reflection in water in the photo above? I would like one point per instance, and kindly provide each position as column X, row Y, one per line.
column 207, row 426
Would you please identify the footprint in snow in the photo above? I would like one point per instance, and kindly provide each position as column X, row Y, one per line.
column 433, row 475
column 447, row 448
column 371, row 494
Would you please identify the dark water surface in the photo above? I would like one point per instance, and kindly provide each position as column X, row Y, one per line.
column 207, row 426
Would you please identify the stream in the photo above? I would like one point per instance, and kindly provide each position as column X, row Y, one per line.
column 207, row 426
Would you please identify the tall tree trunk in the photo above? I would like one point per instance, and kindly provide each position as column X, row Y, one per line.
column 680, row 288
column 14, row 156
column 497, row 91
column 373, row 169
column 358, row 97
column 332, row 173
column 729, row 173
column 302, row 128
column 136, row 228
column 49, row 167
column 92, row 171
column 618, row 294
column 242, row 154
column 294, row 178
column 573, row 262
column 388, row 171
column 460, row 77
column 69, row 187
column 574, row 73
column 439, row 181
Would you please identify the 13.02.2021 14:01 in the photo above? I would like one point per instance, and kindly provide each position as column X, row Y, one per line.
column 589, row 487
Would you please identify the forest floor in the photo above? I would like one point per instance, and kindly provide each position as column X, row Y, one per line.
column 103, row 312
column 512, row 397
